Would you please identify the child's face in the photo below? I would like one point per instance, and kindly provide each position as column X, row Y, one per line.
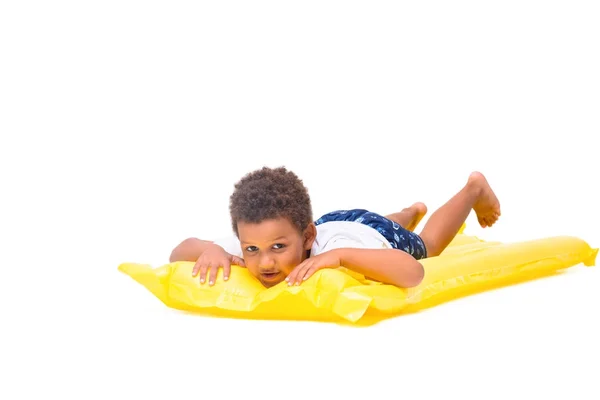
column 273, row 248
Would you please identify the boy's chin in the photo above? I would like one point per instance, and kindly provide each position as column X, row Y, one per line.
column 270, row 281
column 269, row 284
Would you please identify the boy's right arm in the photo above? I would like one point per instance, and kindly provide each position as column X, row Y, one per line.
column 189, row 250
column 208, row 256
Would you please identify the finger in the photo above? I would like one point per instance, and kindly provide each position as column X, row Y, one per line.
column 196, row 268
column 298, row 273
column 213, row 274
column 203, row 269
column 302, row 273
column 238, row 261
column 310, row 272
column 226, row 271
column 291, row 278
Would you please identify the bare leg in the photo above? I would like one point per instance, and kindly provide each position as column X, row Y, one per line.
column 409, row 217
column 444, row 223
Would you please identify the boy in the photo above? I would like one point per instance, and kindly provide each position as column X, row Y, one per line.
column 276, row 238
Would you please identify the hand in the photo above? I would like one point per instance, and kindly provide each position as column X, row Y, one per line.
column 308, row 267
column 213, row 258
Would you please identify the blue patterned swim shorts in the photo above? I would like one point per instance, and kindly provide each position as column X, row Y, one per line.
column 398, row 237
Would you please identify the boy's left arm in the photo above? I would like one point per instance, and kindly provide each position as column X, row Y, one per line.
column 390, row 266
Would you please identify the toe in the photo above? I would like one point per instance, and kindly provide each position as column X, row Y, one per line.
column 481, row 222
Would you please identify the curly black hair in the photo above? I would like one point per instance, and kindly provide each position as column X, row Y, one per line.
column 270, row 193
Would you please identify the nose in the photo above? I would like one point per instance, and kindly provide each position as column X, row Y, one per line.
column 267, row 262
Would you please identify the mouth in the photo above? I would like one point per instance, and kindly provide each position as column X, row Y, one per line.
column 270, row 276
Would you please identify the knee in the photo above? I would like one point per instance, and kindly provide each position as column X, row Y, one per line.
column 432, row 248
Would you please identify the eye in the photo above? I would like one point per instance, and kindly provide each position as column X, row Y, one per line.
column 278, row 246
column 251, row 249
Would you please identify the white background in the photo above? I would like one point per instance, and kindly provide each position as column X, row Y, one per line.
column 124, row 126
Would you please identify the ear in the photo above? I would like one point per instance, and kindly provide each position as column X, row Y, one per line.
column 310, row 234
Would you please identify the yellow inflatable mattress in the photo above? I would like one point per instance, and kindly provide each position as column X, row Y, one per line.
column 467, row 266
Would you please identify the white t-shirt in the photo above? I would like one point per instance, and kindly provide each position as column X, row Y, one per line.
column 330, row 235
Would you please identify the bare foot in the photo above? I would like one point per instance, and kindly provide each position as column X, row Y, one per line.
column 487, row 206
column 418, row 211
column 409, row 217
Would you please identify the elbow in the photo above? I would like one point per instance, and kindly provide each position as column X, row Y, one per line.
column 412, row 276
column 174, row 256
column 180, row 252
